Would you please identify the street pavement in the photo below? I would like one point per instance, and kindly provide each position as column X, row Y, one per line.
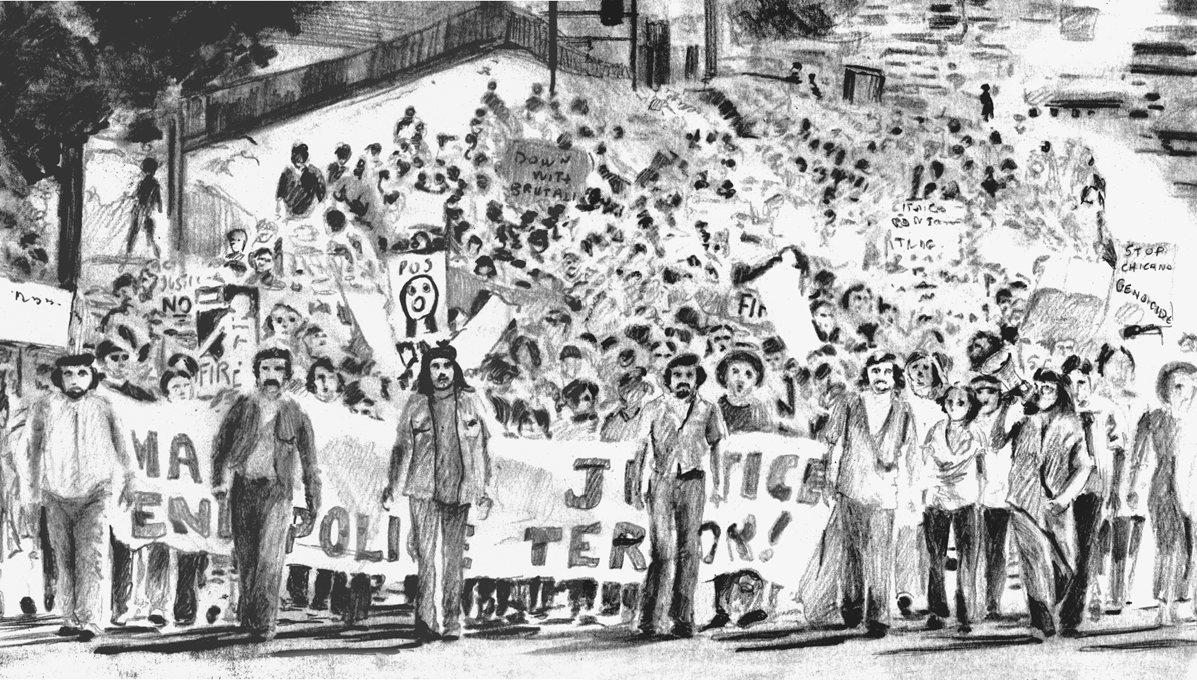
column 313, row 644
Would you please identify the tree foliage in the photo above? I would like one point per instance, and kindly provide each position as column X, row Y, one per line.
column 68, row 65
column 788, row 19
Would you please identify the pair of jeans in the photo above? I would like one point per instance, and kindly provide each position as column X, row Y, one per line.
column 867, row 532
column 1086, row 514
column 996, row 522
column 77, row 529
column 937, row 523
column 428, row 518
column 675, row 506
column 261, row 519
column 1036, row 552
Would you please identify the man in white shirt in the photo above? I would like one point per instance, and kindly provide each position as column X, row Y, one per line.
column 76, row 457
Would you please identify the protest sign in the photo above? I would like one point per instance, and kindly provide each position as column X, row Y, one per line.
column 541, row 173
column 1144, row 280
column 925, row 234
column 44, row 313
column 420, row 309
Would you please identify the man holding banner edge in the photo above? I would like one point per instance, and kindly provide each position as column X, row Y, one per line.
column 259, row 440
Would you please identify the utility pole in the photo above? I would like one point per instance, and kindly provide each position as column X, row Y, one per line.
column 711, row 12
column 632, row 59
column 552, row 47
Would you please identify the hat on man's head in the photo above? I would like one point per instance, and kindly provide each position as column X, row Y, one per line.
column 84, row 359
column 442, row 350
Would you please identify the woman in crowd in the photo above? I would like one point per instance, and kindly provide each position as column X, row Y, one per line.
column 954, row 449
column 1164, row 436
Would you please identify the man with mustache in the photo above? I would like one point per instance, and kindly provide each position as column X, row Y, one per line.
column 877, row 429
column 677, row 430
column 258, row 441
column 442, row 464
column 77, row 456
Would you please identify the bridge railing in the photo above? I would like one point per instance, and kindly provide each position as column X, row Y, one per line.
column 239, row 107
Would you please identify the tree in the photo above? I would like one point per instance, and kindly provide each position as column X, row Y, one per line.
column 69, row 65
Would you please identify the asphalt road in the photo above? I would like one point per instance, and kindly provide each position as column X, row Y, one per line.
column 1126, row 646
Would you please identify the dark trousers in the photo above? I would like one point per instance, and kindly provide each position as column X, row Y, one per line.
column 428, row 518
column 675, row 516
column 996, row 521
column 261, row 519
column 937, row 524
column 122, row 576
column 49, row 567
column 192, row 571
column 1127, row 535
column 868, row 553
column 1086, row 513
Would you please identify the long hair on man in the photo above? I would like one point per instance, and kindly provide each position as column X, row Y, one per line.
column 424, row 380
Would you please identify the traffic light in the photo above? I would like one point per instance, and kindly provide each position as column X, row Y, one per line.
column 611, row 12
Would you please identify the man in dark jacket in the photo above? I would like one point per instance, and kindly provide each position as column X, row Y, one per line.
column 259, row 440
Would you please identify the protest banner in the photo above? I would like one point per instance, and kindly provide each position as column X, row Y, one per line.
column 541, row 173
column 555, row 514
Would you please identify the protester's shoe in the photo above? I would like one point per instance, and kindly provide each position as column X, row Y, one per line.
column 852, row 617
column 451, row 637
column 68, row 631
column 212, row 614
column 964, row 629
column 876, row 631
column 993, row 614
column 754, row 616
column 934, row 623
column 262, row 635
column 683, row 630
column 88, row 633
column 1095, row 610
column 721, row 619
column 426, row 634
column 906, row 605
column 1165, row 614
column 157, row 618
column 1070, row 633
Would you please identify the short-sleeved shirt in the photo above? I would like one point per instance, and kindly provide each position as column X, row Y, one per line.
column 681, row 434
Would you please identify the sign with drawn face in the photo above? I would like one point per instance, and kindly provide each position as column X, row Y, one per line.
column 418, row 282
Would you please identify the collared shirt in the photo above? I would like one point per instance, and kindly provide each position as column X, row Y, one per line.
column 954, row 466
column 81, row 444
column 260, row 463
column 450, row 469
column 680, row 434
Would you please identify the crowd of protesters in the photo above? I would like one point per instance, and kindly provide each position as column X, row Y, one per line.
column 670, row 229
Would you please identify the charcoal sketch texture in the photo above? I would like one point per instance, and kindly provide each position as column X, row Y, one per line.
column 598, row 338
